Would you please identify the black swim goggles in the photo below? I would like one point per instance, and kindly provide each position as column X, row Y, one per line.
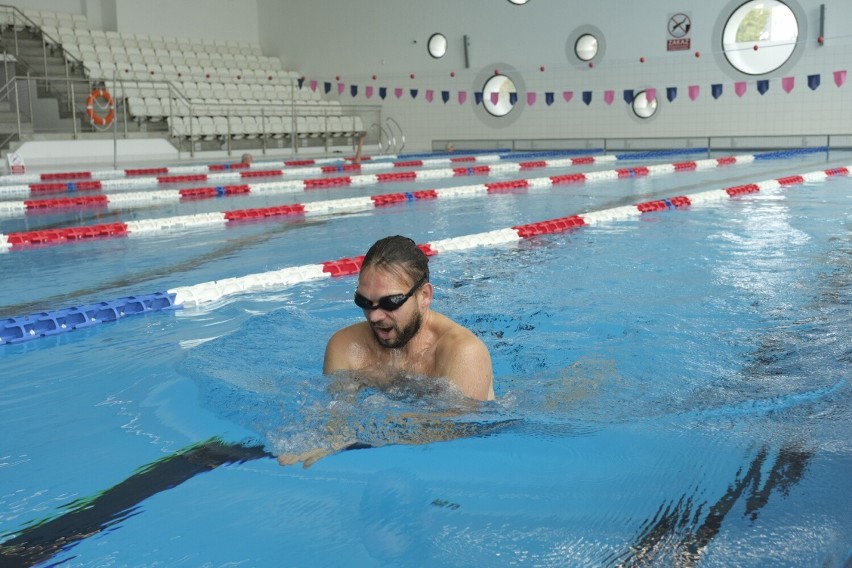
column 387, row 303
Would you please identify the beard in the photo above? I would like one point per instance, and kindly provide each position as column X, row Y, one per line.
column 403, row 335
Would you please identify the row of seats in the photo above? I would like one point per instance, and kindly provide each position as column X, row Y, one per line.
column 273, row 127
column 191, row 90
column 165, row 54
column 85, row 36
column 43, row 18
column 97, row 69
column 154, row 108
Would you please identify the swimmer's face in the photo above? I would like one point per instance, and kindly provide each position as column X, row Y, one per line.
column 393, row 329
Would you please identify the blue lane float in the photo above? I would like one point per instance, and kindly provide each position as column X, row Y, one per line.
column 782, row 154
column 45, row 324
column 651, row 154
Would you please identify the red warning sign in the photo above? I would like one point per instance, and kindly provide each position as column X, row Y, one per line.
column 678, row 32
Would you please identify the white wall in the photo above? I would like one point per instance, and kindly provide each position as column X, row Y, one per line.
column 226, row 19
column 355, row 40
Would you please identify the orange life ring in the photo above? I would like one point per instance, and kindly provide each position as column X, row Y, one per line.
column 96, row 118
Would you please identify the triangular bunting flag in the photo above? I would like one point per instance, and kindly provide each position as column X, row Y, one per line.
column 609, row 96
column 813, row 82
column 763, row 86
column 587, row 97
column 787, row 83
column 651, row 95
column 531, row 97
column 513, row 99
column 694, row 91
column 301, row 82
column 353, row 90
column 340, row 88
column 548, row 98
column 628, row 96
column 429, row 94
column 313, row 85
column 326, row 87
column 368, row 91
column 740, row 88
column 495, row 96
column 567, row 95
column 463, row 97
column 413, row 93
column 397, row 92
column 383, row 92
column 839, row 78
column 445, row 96
column 477, row 97
column 716, row 90
column 671, row 93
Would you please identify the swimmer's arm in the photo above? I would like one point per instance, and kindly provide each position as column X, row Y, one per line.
column 467, row 363
column 342, row 351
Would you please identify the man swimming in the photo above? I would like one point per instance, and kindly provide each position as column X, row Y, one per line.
column 402, row 335
column 401, row 338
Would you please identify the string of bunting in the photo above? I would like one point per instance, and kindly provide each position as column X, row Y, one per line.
column 740, row 88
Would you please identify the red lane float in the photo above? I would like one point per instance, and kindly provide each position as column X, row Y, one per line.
column 79, row 201
column 54, row 236
column 264, row 212
column 58, row 236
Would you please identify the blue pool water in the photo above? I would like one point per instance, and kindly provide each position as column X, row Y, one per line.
column 672, row 390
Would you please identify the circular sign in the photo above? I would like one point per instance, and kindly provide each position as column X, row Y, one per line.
column 679, row 25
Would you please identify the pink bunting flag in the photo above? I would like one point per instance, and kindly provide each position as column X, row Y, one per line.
column 651, row 94
column 429, row 94
column 787, row 83
column 839, row 78
column 740, row 88
column 340, row 87
column 693, row 92
column 397, row 92
column 368, row 91
column 495, row 97
column 609, row 96
column 531, row 98
column 567, row 95
column 462, row 97
column 313, row 85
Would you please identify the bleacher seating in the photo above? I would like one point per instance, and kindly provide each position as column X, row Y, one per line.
column 208, row 89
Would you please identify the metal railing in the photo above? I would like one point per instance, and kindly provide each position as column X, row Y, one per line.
column 21, row 90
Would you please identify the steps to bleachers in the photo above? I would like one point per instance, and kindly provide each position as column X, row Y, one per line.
column 202, row 89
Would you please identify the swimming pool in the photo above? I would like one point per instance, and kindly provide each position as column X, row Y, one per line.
column 672, row 387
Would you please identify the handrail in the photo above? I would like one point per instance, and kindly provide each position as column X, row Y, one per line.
column 18, row 14
column 401, row 133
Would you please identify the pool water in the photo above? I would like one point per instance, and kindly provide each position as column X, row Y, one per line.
column 672, row 390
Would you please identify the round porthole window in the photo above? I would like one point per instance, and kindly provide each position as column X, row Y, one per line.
column 586, row 47
column 760, row 36
column 497, row 95
column 437, row 45
column 643, row 107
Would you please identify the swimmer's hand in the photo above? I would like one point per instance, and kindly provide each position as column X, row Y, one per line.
column 307, row 459
column 310, row 457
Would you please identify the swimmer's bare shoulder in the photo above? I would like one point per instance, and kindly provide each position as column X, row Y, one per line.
column 348, row 349
column 463, row 358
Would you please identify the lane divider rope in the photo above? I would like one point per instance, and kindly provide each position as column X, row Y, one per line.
column 10, row 209
column 57, row 236
column 49, row 323
column 30, row 185
column 40, row 184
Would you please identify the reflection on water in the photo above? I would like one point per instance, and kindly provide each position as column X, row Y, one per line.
column 745, row 379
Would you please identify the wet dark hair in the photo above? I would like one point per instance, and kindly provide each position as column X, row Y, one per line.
column 398, row 254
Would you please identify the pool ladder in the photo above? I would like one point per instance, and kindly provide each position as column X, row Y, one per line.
column 390, row 136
